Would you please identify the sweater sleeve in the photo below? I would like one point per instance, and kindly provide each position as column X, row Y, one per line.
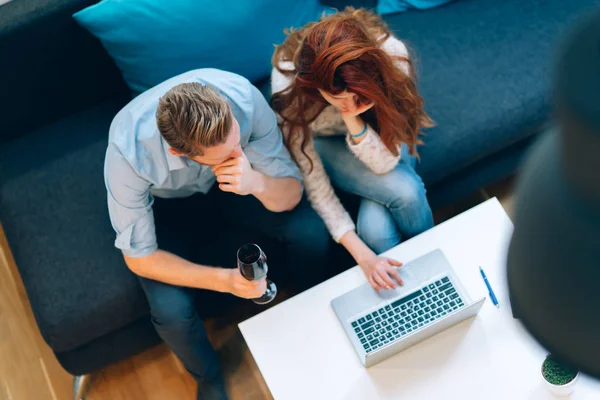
column 320, row 192
column 316, row 182
column 396, row 48
column 280, row 81
column 371, row 151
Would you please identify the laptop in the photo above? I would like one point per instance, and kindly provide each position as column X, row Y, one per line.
column 381, row 324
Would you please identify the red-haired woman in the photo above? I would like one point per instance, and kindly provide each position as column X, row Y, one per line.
column 347, row 103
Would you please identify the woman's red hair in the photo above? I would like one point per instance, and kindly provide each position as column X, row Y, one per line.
column 342, row 52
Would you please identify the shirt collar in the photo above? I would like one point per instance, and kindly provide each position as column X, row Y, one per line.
column 175, row 162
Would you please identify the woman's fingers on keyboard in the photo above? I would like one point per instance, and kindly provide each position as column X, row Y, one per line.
column 379, row 280
column 394, row 262
column 384, row 274
column 373, row 283
column 394, row 273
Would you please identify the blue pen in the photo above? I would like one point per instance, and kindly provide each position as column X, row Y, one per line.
column 492, row 295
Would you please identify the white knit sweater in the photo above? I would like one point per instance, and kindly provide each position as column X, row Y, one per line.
column 371, row 151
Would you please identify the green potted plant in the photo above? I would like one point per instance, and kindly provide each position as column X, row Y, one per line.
column 560, row 378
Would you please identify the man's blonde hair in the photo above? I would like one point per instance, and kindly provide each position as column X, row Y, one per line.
column 192, row 116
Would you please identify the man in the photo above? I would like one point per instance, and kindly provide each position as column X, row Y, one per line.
column 178, row 139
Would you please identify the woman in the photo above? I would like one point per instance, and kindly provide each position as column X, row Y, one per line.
column 348, row 82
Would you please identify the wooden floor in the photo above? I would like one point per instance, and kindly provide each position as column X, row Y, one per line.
column 28, row 370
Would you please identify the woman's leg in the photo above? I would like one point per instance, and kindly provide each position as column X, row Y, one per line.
column 400, row 191
column 376, row 226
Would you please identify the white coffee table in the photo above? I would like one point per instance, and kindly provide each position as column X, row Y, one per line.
column 303, row 353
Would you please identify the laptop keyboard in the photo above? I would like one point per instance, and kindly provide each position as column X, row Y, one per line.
column 407, row 314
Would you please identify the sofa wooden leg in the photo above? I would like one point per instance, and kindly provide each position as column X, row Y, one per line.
column 81, row 384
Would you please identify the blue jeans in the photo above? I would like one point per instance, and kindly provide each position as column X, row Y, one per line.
column 173, row 308
column 393, row 206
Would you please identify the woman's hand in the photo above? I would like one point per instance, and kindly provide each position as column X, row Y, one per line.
column 381, row 272
column 355, row 123
column 348, row 103
column 360, row 108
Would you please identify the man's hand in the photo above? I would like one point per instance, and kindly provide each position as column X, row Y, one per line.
column 241, row 287
column 380, row 271
column 237, row 176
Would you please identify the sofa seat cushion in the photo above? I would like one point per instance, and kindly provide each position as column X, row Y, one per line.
column 484, row 70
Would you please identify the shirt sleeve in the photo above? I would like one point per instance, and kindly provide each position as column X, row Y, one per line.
column 266, row 150
column 129, row 206
column 320, row 192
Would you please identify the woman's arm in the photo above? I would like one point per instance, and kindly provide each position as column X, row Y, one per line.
column 369, row 148
column 378, row 270
column 316, row 182
column 319, row 190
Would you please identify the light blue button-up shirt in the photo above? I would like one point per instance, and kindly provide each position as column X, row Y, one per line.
column 139, row 166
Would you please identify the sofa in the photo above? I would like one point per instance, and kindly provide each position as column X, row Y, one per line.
column 483, row 70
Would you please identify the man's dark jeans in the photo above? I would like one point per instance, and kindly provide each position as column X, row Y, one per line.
column 303, row 247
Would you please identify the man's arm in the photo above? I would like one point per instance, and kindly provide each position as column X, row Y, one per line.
column 168, row 268
column 278, row 194
column 130, row 210
column 237, row 176
column 278, row 179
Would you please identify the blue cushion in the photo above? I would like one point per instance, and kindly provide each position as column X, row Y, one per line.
column 394, row 6
column 153, row 40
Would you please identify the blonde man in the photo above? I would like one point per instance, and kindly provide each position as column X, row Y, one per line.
column 210, row 132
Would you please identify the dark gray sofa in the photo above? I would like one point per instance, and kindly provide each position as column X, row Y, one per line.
column 484, row 74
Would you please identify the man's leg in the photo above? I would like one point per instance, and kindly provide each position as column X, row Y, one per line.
column 300, row 233
column 178, row 324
